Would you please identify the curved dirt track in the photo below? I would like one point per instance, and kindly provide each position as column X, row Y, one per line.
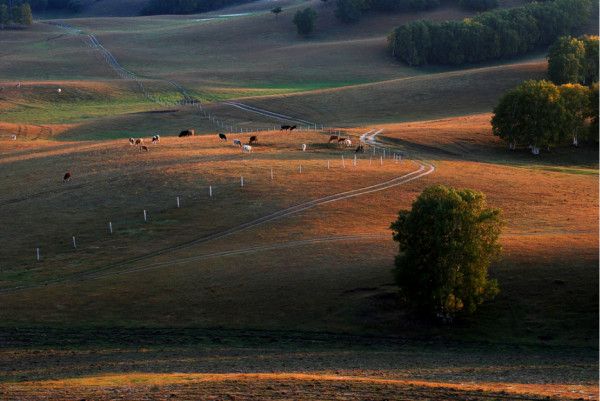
column 422, row 170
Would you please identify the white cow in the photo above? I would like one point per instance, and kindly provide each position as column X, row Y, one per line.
column 131, row 141
column 348, row 143
column 304, row 147
column 13, row 137
column 247, row 148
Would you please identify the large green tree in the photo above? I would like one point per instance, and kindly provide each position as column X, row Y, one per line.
column 531, row 115
column 566, row 60
column 305, row 21
column 575, row 100
column 447, row 242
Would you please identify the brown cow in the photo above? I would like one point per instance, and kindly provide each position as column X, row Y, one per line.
column 253, row 139
column 333, row 138
column 67, row 177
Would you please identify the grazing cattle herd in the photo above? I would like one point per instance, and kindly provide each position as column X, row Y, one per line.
column 340, row 140
column 245, row 148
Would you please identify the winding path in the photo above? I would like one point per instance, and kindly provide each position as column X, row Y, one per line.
column 120, row 267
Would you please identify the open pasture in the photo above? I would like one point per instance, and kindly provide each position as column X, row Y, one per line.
column 114, row 181
column 352, row 238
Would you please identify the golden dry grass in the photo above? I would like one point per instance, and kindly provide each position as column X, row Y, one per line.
column 283, row 386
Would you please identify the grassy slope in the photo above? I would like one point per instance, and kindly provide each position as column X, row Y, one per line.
column 237, row 65
column 338, row 286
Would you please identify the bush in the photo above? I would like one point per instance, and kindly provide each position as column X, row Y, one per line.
column 447, row 243
column 305, row 21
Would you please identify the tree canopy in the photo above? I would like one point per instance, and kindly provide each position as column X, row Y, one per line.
column 540, row 114
column 447, row 242
column 305, row 21
column 488, row 36
column 573, row 60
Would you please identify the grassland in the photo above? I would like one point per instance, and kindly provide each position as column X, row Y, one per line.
column 300, row 307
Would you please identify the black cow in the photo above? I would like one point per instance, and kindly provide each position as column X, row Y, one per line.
column 67, row 177
column 285, row 127
column 360, row 149
column 223, row 137
column 187, row 132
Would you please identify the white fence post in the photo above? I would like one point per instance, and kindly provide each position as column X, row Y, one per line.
column 210, row 191
column 145, row 216
column 110, row 229
column 300, row 169
column 178, row 204
column 271, row 174
column 242, row 181
column 74, row 243
column 37, row 254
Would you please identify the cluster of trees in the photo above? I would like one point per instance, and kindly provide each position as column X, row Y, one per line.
column 305, row 21
column 186, row 6
column 490, row 35
column 447, row 243
column 574, row 60
column 18, row 14
column 541, row 114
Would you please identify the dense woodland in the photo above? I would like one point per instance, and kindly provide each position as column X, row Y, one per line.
column 491, row 35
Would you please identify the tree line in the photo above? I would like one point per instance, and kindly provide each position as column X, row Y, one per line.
column 490, row 35
column 17, row 15
column 542, row 114
column 155, row 7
